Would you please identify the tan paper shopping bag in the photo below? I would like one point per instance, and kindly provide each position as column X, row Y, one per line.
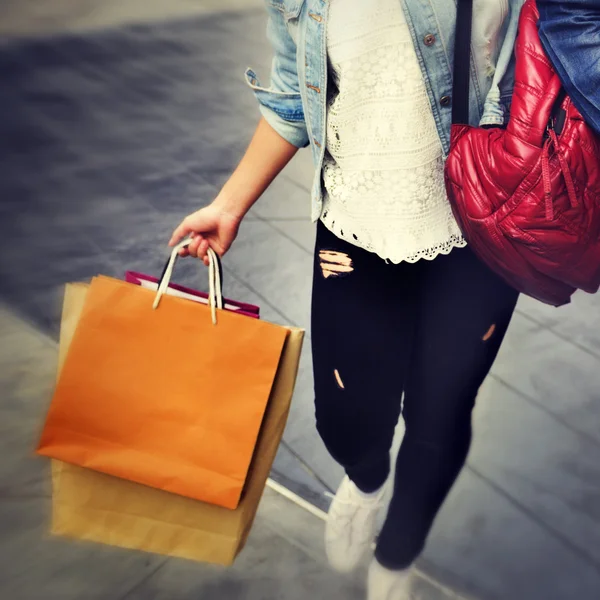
column 93, row 506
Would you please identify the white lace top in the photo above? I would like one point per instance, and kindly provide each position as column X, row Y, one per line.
column 383, row 171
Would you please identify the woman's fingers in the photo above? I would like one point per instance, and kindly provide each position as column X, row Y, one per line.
column 198, row 247
column 203, row 249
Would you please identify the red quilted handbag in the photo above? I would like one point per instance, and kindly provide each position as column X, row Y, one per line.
column 527, row 197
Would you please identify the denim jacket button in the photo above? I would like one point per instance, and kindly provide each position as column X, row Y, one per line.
column 445, row 101
column 429, row 39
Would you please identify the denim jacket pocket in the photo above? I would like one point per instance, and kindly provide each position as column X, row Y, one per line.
column 290, row 8
column 287, row 105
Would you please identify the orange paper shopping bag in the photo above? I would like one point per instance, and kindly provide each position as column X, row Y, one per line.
column 157, row 390
column 89, row 505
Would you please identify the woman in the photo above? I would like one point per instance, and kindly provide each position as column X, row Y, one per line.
column 400, row 305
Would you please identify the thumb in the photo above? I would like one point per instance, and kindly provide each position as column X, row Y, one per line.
column 180, row 232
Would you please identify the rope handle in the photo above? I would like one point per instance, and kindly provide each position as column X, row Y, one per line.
column 215, row 293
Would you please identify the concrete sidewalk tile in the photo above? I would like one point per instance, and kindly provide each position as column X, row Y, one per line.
column 578, row 322
column 276, row 268
column 549, row 469
column 484, row 546
column 283, row 559
column 560, row 377
column 27, row 375
column 35, row 565
column 303, row 232
column 301, row 170
column 284, row 200
column 298, row 477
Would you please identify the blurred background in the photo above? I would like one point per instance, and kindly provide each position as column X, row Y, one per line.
column 118, row 118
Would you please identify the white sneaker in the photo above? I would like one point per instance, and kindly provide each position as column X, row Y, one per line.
column 384, row 584
column 351, row 525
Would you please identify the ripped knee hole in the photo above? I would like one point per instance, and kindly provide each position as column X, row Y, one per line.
column 338, row 379
column 490, row 333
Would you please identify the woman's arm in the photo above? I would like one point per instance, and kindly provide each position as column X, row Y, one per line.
column 280, row 132
column 216, row 226
column 267, row 154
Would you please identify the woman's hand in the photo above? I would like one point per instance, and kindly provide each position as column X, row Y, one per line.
column 208, row 227
column 217, row 225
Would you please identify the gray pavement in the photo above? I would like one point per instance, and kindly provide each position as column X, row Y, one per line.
column 110, row 135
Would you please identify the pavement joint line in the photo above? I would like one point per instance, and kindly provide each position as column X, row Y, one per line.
column 288, row 237
column 539, row 404
column 263, row 299
column 559, row 335
column 146, row 578
column 305, row 466
column 539, row 521
column 298, row 500
column 295, row 183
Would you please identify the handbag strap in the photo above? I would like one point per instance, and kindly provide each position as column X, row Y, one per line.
column 215, row 276
column 462, row 62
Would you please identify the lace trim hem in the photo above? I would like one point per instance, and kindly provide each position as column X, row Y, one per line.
column 429, row 253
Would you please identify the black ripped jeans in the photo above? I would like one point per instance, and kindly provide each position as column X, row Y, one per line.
column 430, row 330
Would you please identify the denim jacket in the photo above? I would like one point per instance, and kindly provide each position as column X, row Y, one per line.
column 570, row 34
column 295, row 101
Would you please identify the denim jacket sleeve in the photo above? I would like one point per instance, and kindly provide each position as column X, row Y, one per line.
column 497, row 104
column 569, row 32
column 281, row 103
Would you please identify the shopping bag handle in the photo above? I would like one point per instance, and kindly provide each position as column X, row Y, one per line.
column 215, row 293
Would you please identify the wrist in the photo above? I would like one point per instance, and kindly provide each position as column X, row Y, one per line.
column 230, row 205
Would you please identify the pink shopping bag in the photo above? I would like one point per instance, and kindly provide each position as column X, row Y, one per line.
column 147, row 281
